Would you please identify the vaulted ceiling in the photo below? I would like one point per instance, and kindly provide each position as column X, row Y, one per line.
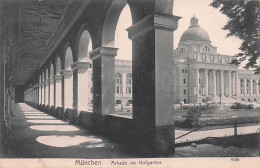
column 38, row 22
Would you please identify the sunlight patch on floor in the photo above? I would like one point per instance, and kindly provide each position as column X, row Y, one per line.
column 54, row 128
column 67, row 141
column 46, row 121
column 33, row 112
column 39, row 117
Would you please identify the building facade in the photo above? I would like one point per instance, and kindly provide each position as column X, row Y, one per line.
column 201, row 74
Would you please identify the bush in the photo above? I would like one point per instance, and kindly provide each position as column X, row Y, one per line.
column 195, row 112
column 238, row 105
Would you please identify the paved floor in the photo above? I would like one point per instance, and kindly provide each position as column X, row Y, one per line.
column 52, row 138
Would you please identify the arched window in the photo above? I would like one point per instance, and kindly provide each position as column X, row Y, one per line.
column 118, row 77
column 184, row 80
column 247, row 86
column 242, row 86
column 254, row 87
column 129, row 78
column 206, row 49
column 182, row 50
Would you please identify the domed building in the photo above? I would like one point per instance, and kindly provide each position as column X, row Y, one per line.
column 202, row 75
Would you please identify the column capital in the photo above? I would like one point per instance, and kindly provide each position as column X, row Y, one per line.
column 80, row 65
column 56, row 77
column 51, row 80
column 66, row 72
column 103, row 51
column 151, row 22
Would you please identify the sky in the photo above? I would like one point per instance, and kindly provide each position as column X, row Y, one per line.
column 210, row 19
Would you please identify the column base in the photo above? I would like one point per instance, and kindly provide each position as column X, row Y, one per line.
column 154, row 142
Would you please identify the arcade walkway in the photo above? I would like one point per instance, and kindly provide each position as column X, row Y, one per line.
column 38, row 135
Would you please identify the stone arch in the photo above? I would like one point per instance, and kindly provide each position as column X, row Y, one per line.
column 51, row 70
column 58, row 66
column 84, row 42
column 58, row 83
column 68, row 56
column 110, row 22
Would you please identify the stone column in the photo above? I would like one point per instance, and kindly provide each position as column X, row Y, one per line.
column 153, row 83
column 80, row 86
column 222, row 86
column 51, row 92
column 47, row 91
column 251, row 86
column 206, row 81
column 40, row 93
column 257, row 87
column 197, row 84
column 58, row 91
column 103, row 80
column 245, row 90
column 68, row 88
column 44, row 93
column 214, row 83
column 229, row 84
column 237, row 84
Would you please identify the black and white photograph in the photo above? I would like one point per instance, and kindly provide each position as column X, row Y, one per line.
column 129, row 83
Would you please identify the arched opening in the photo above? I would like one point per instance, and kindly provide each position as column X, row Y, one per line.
column 68, row 79
column 40, row 90
column 84, row 72
column 51, row 85
column 43, row 88
column 58, row 90
column 123, row 76
column 47, row 90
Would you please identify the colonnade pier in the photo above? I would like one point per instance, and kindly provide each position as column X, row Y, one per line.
column 46, row 61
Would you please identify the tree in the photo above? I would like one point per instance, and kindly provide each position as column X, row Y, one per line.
column 243, row 22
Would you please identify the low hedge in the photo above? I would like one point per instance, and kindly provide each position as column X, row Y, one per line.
column 187, row 123
column 238, row 105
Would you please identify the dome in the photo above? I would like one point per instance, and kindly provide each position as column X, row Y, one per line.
column 194, row 32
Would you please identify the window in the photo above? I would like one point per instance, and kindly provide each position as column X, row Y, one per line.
column 184, row 70
column 184, row 91
column 254, row 87
column 247, row 86
column 206, row 49
column 118, row 89
column 241, row 86
column 118, row 77
column 199, row 80
column 184, row 80
column 128, row 89
column 185, row 101
column 129, row 102
column 129, row 78
column 118, row 101
column 182, row 50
